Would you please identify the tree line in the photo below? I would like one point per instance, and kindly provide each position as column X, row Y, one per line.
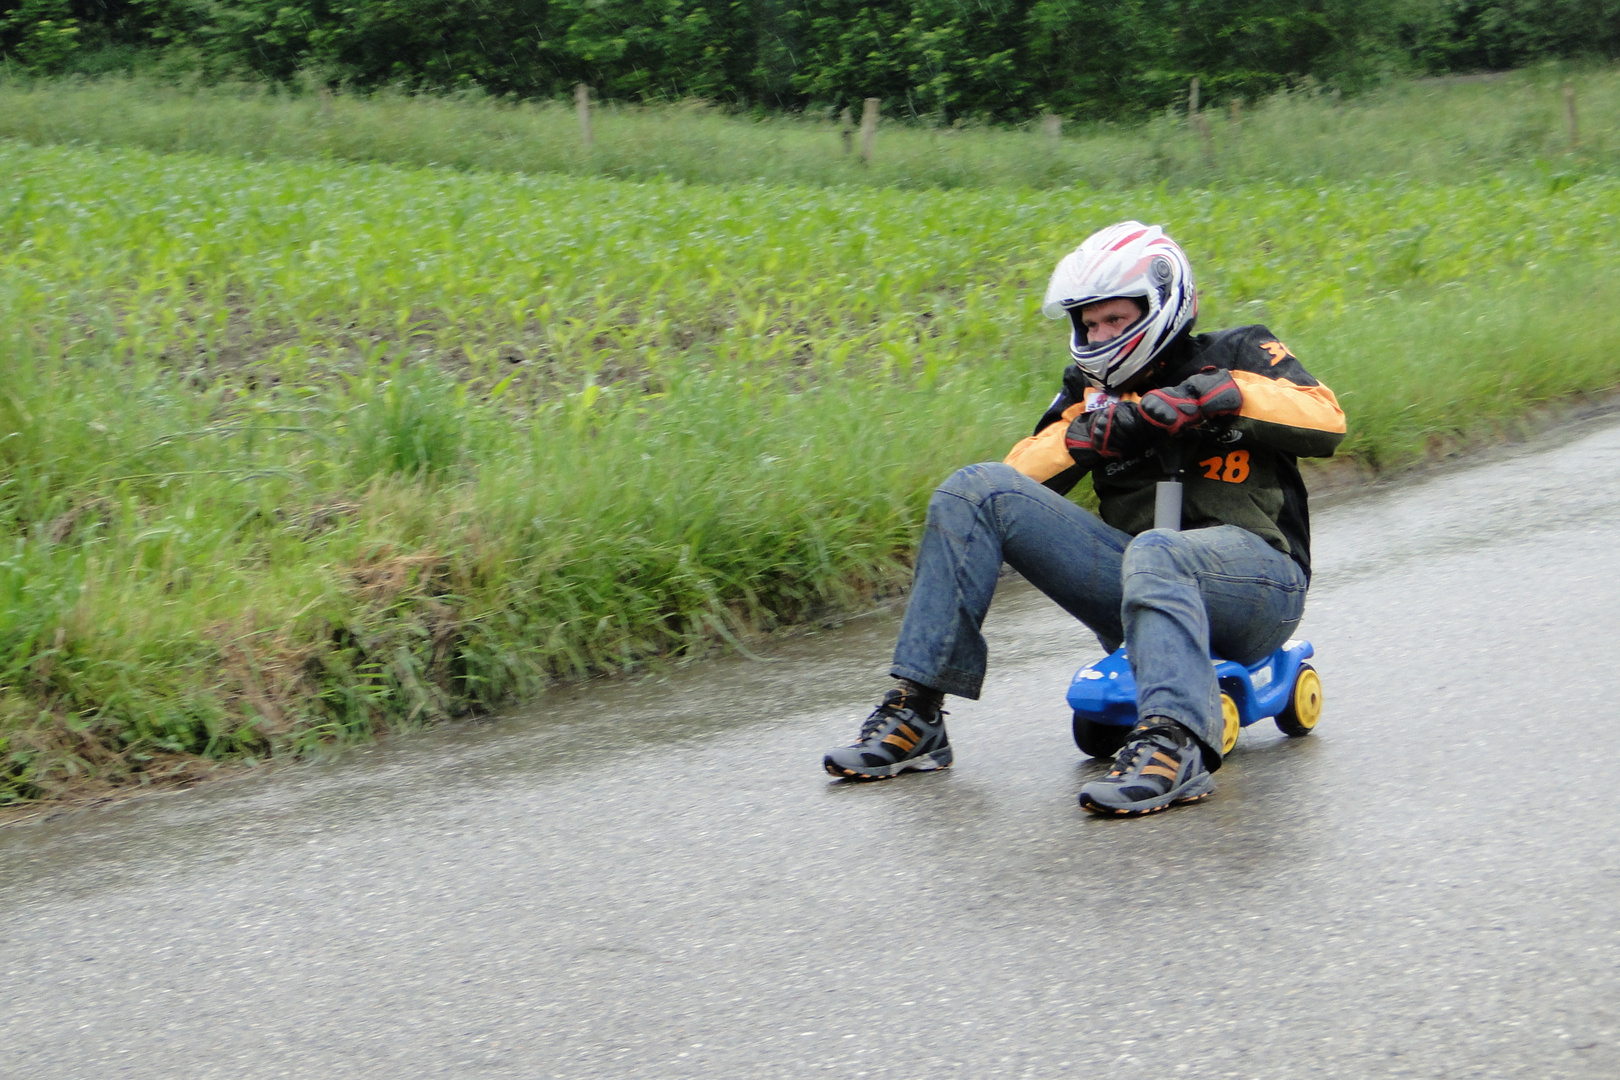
column 941, row 59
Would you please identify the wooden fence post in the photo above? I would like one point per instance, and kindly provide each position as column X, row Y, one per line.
column 1206, row 137
column 1200, row 123
column 846, row 129
column 1237, row 114
column 1052, row 126
column 869, row 119
column 582, row 107
column 1570, row 119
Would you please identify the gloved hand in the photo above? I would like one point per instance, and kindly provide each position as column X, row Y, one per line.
column 1114, row 431
column 1208, row 394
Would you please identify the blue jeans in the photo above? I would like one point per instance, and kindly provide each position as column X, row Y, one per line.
column 1170, row 596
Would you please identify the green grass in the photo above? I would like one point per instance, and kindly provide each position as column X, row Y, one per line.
column 1432, row 131
column 295, row 451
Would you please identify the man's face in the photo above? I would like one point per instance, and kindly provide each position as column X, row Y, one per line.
column 1107, row 319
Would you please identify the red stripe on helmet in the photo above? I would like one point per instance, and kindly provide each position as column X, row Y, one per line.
column 1128, row 239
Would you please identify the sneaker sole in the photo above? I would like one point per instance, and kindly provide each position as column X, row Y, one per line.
column 939, row 759
column 1163, row 802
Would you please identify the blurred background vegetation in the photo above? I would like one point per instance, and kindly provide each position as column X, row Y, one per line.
column 349, row 388
column 940, row 60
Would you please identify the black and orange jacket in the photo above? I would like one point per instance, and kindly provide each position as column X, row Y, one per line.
column 1241, row 471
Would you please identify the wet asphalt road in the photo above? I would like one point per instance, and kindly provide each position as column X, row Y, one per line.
column 657, row 880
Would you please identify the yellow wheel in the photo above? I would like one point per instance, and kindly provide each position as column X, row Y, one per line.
column 1304, row 707
column 1229, row 717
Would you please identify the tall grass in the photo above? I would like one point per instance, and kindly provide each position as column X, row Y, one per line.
column 1431, row 131
column 294, row 451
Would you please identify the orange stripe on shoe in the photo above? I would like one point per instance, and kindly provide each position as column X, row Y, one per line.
column 1159, row 770
column 1278, row 401
column 896, row 739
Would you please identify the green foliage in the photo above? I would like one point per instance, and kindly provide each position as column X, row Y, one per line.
column 642, row 49
column 942, row 58
column 937, row 59
column 1472, row 35
column 41, row 34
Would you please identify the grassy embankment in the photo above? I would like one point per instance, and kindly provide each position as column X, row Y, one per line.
column 293, row 452
column 1434, row 131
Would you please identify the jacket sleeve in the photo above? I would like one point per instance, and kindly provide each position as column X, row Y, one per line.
column 1283, row 406
column 1043, row 456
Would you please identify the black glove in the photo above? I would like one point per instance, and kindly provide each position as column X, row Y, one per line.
column 1116, row 430
column 1208, row 394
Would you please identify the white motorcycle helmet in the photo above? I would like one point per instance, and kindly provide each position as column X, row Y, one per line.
column 1128, row 260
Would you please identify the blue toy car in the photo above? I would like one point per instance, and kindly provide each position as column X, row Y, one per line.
column 1283, row 685
column 1103, row 696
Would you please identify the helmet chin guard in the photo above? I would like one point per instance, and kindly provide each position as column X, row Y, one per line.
column 1125, row 261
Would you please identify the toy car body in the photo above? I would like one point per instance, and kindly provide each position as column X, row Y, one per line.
column 1282, row 685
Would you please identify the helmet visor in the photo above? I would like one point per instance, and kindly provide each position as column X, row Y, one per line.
column 1082, row 336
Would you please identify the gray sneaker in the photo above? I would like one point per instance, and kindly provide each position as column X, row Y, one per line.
column 901, row 735
column 1160, row 765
